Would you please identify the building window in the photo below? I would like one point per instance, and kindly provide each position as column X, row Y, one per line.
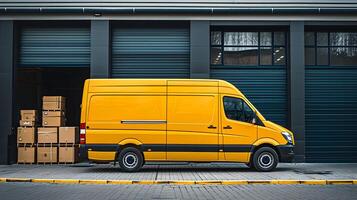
column 232, row 48
column 331, row 48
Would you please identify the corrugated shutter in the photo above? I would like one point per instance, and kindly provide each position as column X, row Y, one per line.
column 331, row 114
column 54, row 47
column 265, row 87
column 151, row 52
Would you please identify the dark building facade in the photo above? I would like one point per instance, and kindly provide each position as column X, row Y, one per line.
column 295, row 60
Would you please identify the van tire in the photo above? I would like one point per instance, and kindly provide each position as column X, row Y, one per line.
column 265, row 159
column 130, row 159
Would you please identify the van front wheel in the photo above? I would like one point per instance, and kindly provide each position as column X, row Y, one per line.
column 130, row 159
column 265, row 159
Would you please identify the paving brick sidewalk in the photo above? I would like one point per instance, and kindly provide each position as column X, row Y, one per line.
column 216, row 171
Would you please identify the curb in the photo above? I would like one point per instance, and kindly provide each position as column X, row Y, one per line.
column 181, row 182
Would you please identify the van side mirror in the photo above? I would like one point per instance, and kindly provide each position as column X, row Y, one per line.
column 254, row 120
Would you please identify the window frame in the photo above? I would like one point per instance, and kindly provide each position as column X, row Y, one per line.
column 315, row 47
column 259, row 47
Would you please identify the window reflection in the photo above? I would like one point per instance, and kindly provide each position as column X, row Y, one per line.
column 265, row 56
column 216, row 38
column 344, row 56
column 279, row 55
column 241, row 56
column 241, row 38
column 343, row 39
column 248, row 48
column 331, row 48
column 216, row 55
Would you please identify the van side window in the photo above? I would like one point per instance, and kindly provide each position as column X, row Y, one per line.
column 237, row 109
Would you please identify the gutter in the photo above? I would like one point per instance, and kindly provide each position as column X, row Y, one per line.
column 172, row 10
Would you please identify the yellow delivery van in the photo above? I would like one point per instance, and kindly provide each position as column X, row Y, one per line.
column 133, row 121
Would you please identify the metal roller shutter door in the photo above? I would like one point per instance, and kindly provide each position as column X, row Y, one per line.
column 265, row 88
column 331, row 114
column 54, row 47
column 151, row 52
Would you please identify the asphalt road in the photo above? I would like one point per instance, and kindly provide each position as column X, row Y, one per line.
column 45, row 191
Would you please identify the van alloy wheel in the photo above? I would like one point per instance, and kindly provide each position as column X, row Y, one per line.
column 265, row 159
column 130, row 159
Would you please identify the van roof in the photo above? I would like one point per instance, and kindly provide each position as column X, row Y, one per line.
column 157, row 82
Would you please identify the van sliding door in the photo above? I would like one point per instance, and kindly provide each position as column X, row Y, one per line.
column 192, row 124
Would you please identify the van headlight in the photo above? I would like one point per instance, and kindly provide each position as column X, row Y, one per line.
column 287, row 137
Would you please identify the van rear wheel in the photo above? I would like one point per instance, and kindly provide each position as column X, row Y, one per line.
column 130, row 159
column 265, row 159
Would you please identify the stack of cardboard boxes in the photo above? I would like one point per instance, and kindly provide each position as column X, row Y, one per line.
column 26, row 136
column 55, row 142
column 53, row 116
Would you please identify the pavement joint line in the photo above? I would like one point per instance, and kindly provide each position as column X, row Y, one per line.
column 185, row 182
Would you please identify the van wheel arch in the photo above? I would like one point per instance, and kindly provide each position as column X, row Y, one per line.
column 256, row 148
column 121, row 147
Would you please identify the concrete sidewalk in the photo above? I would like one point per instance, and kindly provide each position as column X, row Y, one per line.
column 194, row 172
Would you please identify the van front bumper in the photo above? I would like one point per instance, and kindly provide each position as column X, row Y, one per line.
column 286, row 153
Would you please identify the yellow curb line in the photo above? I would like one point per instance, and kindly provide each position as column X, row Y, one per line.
column 313, row 182
column 84, row 181
column 184, row 182
column 66, row 181
column 235, row 182
column 215, row 182
column 339, row 182
column 120, row 182
column 18, row 180
column 285, row 182
column 259, row 182
column 42, row 180
column 144, row 182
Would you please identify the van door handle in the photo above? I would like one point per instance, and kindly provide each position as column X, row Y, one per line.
column 227, row 127
column 211, row 126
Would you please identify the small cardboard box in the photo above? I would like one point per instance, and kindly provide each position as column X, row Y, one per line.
column 47, row 135
column 25, row 135
column 30, row 115
column 27, row 123
column 67, row 154
column 52, row 114
column 46, row 154
column 68, row 135
column 53, row 121
column 53, row 103
column 53, row 98
column 26, row 154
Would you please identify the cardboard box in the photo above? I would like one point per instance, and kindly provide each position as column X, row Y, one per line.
column 53, row 103
column 46, row 154
column 53, row 121
column 52, row 114
column 25, row 135
column 68, row 135
column 47, row 135
column 53, row 98
column 30, row 115
column 27, row 123
column 26, row 154
column 67, row 154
